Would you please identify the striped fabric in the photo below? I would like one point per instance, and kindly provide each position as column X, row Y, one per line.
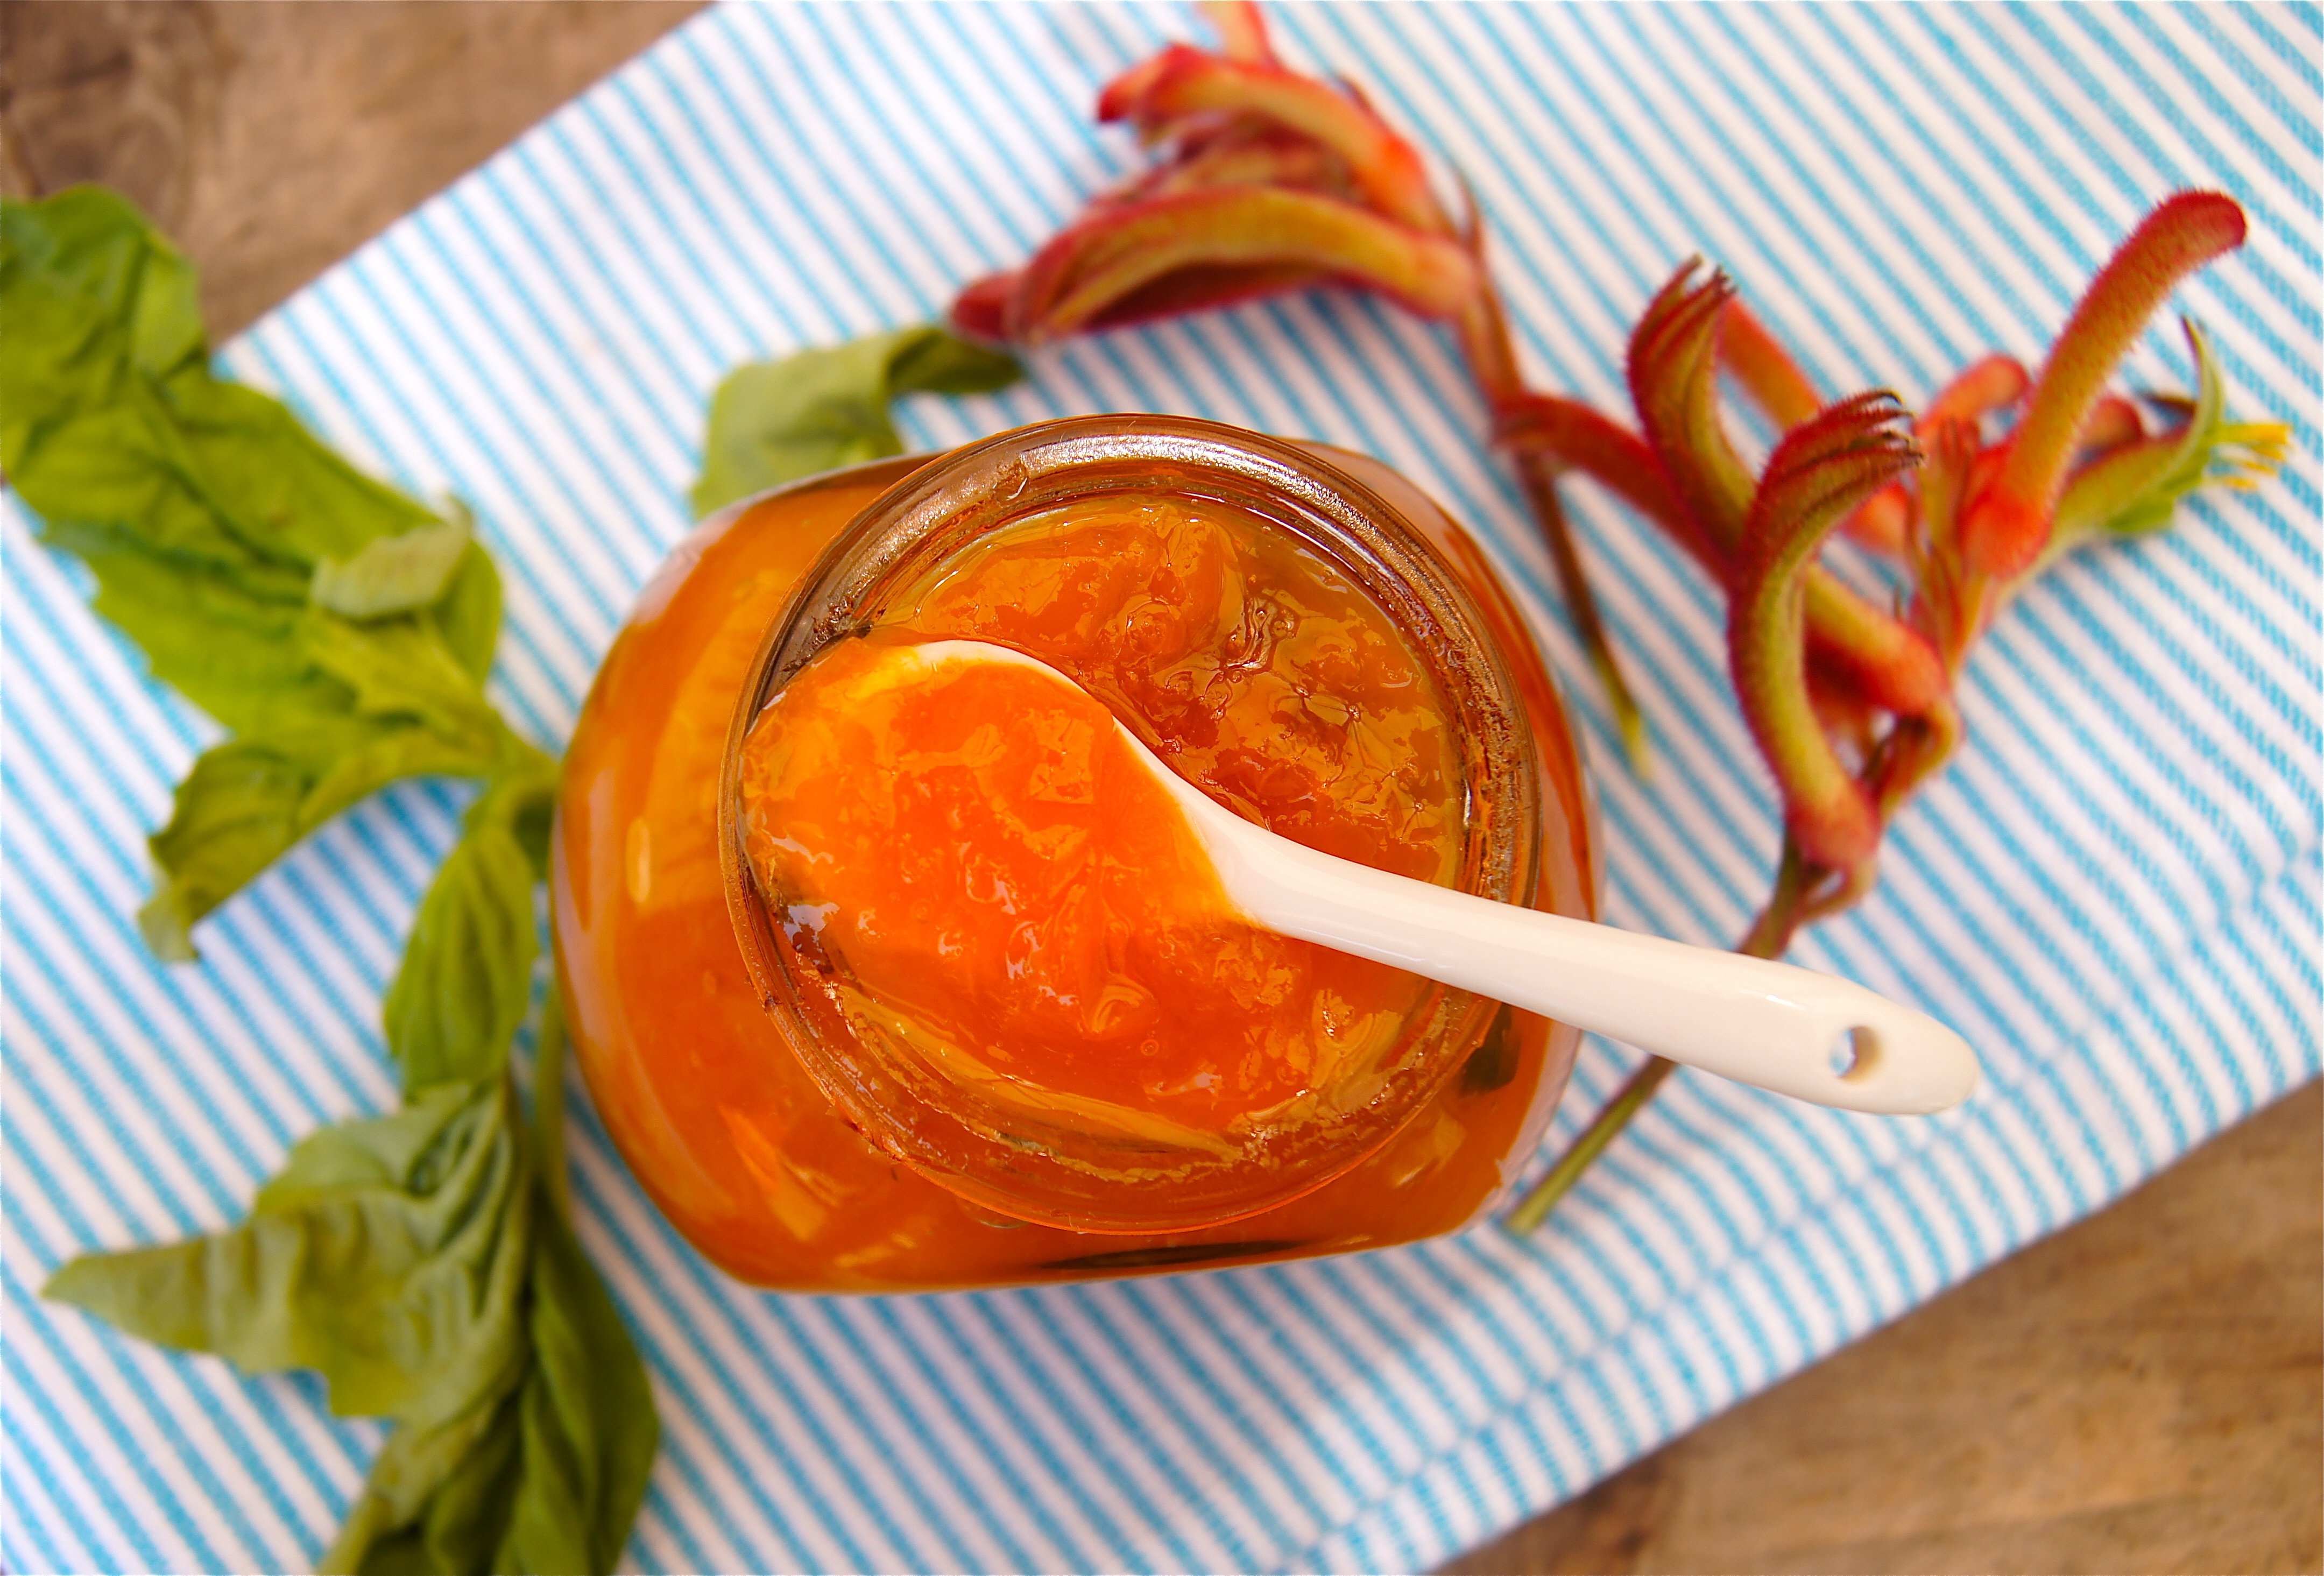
column 2114, row 893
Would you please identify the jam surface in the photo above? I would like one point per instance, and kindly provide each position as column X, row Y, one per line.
column 1239, row 656
column 703, row 1093
column 1009, row 895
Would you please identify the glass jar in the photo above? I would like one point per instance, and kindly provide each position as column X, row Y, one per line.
column 798, row 1150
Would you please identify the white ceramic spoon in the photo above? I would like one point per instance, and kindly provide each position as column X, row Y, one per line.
column 1782, row 1028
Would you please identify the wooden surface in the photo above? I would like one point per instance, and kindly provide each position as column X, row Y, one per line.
column 270, row 139
column 2140, row 1393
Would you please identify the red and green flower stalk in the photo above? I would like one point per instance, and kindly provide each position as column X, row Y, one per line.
column 1268, row 180
column 2000, row 474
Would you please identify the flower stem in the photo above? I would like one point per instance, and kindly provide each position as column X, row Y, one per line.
column 1534, row 1207
column 1769, row 935
column 1539, row 479
column 548, row 1103
column 1484, row 329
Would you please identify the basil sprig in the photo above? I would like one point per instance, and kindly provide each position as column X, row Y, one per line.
column 422, row 1261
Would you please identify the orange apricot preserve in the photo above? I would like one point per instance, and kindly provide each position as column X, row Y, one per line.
column 885, row 985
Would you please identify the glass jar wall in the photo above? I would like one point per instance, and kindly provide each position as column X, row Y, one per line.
column 777, row 1132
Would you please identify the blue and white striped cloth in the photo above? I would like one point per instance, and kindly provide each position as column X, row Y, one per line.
column 2114, row 893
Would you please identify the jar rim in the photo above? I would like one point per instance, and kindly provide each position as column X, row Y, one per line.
column 934, row 513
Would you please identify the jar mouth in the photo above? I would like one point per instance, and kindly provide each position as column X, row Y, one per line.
column 1053, row 1172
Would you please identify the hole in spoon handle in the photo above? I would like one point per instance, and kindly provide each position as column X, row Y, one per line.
column 1890, row 1059
column 1855, row 1054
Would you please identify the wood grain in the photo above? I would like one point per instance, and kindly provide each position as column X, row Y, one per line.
column 270, row 140
column 2139, row 1393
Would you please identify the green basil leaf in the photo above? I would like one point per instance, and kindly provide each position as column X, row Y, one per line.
column 234, row 814
column 376, row 703
column 248, row 801
column 248, row 649
column 932, row 361
column 389, row 1255
column 413, row 1260
column 271, row 476
column 393, row 574
column 589, row 1429
column 108, row 455
column 465, row 982
column 402, row 667
column 467, row 616
column 437, row 1499
column 99, row 313
column 255, row 659
column 546, row 1478
column 225, row 638
column 206, row 511
column 772, row 422
column 775, row 421
column 113, row 416
column 89, row 241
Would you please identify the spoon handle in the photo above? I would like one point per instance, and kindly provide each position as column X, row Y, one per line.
column 1780, row 1026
